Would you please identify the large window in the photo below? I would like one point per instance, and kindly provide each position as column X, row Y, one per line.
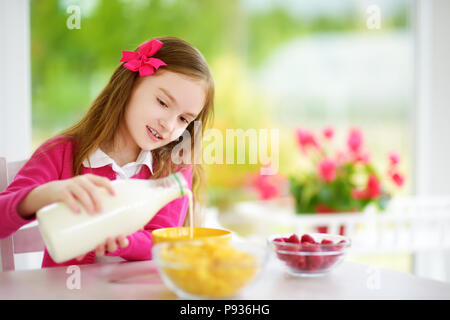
column 278, row 64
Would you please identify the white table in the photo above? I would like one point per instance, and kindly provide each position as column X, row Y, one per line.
column 140, row 280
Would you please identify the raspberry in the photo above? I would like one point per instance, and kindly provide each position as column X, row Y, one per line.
column 331, row 259
column 291, row 261
column 339, row 245
column 295, row 261
column 286, row 244
column 307, row 238
column 300, row 262
column 284, row 256
column 326, row 241
column 313, row 262
column 293, row 239
column 328, row 261
column 292, row 244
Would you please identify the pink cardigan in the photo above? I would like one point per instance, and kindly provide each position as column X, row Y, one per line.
column 55, row 162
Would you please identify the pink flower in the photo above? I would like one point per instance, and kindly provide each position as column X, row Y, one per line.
column 306, row 139
column 372, row 190
column 363, row 157
column 394, row 158
column 355, row 140
column 268, row 186
column 341, row 157
column 373, row 186
column 328, row 133
column 398, row 179
column 327, row 170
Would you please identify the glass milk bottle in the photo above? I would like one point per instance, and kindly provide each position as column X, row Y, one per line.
column 68, row 235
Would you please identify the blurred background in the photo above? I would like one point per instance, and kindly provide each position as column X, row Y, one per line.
column 293, row 63
column 280, row 64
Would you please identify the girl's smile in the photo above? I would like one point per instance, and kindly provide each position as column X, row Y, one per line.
column 154, row 135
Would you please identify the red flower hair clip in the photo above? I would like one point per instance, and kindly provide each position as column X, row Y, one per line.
column 142, row 60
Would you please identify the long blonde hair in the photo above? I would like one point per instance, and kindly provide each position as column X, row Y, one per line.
column 100, row 123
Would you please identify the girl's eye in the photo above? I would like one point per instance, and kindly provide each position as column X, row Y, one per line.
column 184, row 120
column 161, row 103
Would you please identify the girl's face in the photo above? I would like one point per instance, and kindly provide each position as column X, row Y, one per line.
column 161, row 106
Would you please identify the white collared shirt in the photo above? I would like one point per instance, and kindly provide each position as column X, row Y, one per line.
column 100, row 159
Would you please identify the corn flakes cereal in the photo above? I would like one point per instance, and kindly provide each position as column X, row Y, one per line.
column 208, row 269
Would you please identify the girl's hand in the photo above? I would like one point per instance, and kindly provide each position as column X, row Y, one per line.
column 109, row 246
column 83, row 190
column 112, row 245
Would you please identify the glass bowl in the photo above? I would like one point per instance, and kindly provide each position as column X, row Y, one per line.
column 312, row 254
column 208, row 269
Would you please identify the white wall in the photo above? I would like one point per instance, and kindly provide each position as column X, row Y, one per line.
column 432, row 117
column 15, row 92
column 432, row 141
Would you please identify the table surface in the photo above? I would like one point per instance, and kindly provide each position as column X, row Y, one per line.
column 141, row 280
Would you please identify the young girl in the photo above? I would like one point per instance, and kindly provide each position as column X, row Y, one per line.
column 129, row 132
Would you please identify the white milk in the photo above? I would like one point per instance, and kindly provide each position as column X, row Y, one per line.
column 191, row 214
column 68, row 235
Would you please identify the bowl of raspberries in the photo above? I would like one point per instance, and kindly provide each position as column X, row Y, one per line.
column 311, row 254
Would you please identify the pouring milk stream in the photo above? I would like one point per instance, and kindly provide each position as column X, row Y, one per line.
column 68, row 235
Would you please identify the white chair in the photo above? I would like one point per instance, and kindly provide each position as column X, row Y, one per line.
column 27, row 239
